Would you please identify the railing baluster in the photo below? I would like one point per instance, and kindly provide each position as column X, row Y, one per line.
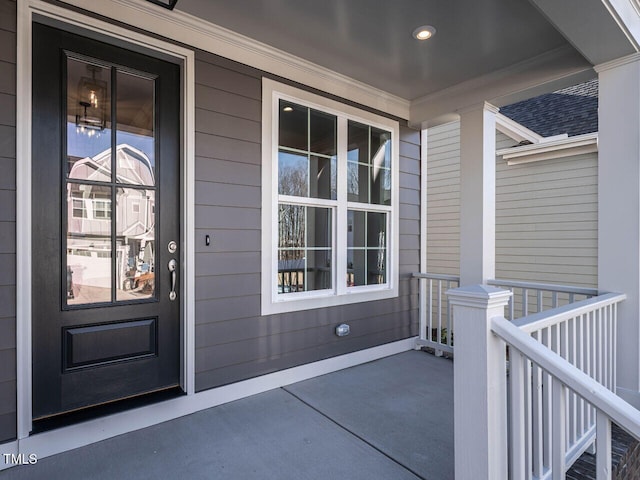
column 547, row 405
column 580, row 345
column 614, row 352
column 449, row 319
column 512, row 305
column 559, row 430
column 573, row 406
column 605, row 348
column 587, row 360
column 422, row 307
column 517, row 452
column 537, row 429
column 603, row 447
column 539, row 301
column 525, row 302
column 439, row 339
column 611, row 356
column 430, row 322
column 528, row 417
column 594, row 356
column 564, row 353
column 600, row 347
column 554, row 300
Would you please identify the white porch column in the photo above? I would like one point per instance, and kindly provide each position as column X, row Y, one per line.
column 619, row 208
column 477, row 194
column 479, row 384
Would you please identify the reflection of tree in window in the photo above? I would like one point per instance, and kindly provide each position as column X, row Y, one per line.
column 292, row 178
column 305, row 250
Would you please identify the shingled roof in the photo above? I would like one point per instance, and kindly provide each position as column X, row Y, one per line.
column 572, row 110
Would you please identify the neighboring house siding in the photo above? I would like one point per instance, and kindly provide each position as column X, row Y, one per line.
column 547, row 220
column 443, row 199
column 233, row 341
column 546, row 214
column 7, row 220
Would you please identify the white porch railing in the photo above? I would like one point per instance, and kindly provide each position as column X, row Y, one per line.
column 436, row 325
column 529, row 297
column 584, row 335
column 560, row 385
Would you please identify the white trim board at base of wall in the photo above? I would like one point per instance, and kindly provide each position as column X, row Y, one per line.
column 67, row 438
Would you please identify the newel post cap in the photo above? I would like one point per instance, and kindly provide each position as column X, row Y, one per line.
column 479, row 296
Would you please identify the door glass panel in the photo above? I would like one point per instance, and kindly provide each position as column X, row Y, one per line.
column 110, row 245
column 88, row 244
column 135, row 243
column 88, row 121
column 135, row 137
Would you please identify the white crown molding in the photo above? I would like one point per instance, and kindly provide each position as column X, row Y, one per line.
column 555, row 69
column 547, row 150
column 192, row 31
column 618, row 62
column 485, row 106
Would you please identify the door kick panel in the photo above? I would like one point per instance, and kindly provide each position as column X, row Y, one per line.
column 85, row 347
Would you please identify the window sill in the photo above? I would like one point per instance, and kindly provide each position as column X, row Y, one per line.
column 309, row 301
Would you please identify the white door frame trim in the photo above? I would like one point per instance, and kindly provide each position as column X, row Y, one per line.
column 27, row 11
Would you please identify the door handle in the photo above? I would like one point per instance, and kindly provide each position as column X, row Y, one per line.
column 173, row 267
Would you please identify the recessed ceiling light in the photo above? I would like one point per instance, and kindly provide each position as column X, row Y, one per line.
column 288, row 108
column 424, row 32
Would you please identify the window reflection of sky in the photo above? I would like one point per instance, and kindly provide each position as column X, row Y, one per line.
column 288, row 160
column 83, row 145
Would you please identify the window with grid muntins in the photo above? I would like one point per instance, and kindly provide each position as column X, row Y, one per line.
column 332, row 203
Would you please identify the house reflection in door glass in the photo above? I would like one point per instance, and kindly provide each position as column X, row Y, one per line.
column 96, row 259
column 88, row 243
column 135, row 246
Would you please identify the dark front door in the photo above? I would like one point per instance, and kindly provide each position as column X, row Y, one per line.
column 105, row 223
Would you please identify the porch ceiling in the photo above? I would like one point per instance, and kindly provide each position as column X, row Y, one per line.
column 371, row 41
column 500, row 51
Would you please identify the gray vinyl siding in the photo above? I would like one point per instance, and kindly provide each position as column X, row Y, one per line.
column 546, row 214
column 233, row 341
column 7, row 220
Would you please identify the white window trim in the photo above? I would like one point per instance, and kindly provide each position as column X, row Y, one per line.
column 271, row 302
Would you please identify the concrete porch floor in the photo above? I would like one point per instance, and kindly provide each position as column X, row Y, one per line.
column 387, row 419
